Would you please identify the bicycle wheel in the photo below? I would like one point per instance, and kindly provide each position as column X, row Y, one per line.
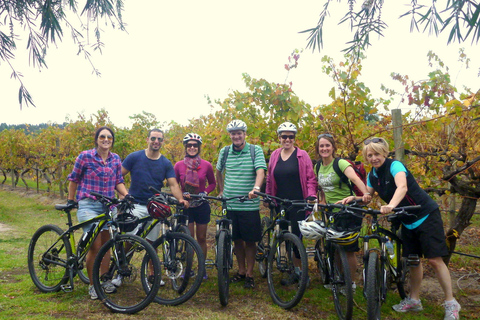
column 263, row 247
column 82, row 273
column 183, row 266
column 224, row 246
column 341, row 282
column 373, row 284
column 183, row 229
column 286, row 282
column 320, row 258
column 127, row 257
column 47, row 258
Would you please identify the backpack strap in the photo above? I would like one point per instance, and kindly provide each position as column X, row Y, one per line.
column 226, row 150
column 252, row 153
column 343, row 177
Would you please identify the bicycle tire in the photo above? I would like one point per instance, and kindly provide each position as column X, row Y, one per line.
column 320, row 258
column 341, row 282
column 373, row 284
column 128, row 255
column 263, row 248
column 285, row 285
column 224, row 245
column 183, row 229
column 48, row 276
column 183, row 266
column 82, row 273
column 403, row 277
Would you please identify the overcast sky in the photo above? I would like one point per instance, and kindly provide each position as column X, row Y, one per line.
column 177, row 52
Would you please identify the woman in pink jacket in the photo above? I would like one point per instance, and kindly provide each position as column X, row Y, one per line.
column 290, row 173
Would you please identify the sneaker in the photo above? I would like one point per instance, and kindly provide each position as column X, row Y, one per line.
column 152, row 277
column 408, row 304
column 452, row 310
column 237, row 278
column 108, row 287
column 354, row 287
column 92, row 292
column 117, row 282
column 249, row 283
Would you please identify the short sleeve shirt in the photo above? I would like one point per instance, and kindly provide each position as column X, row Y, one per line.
column 240, row 175
column 330, row 181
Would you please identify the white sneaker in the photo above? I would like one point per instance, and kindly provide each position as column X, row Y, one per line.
column 408, row 304
column 92, row 292
column 117, row 282
column 452, row 310
column 108, row 287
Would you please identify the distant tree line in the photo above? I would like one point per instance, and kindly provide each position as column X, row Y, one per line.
column 30, row 128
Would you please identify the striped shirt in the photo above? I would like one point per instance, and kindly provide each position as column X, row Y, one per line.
column 92, row 174
column 240, row 175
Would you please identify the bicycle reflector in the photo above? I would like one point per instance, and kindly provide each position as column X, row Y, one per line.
column 127, row 222
column 158, row 209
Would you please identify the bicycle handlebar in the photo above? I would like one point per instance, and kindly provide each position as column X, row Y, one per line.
column 222, row 199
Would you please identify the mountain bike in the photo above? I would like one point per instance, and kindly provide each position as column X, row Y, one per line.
column 223, row 244
column 54, row 259
column 181, row 258
column 286, row 259
column 381, row 268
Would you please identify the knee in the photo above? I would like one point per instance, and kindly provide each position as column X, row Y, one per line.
column 436, row 263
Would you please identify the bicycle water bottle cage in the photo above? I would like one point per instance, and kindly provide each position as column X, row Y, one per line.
column 413, row 260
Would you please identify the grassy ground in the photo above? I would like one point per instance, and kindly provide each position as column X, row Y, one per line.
column 22, row 213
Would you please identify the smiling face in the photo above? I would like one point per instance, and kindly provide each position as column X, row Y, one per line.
column 192, row 148
column 238, row 138
column 287, row 139
column 104, row 140
column 325, row 148
column 155, row 141
column 374, row 158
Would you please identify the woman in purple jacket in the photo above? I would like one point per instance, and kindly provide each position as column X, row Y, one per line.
column 290, row 173
column 193, row 174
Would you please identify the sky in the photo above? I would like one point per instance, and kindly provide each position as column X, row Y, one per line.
column 175, row 53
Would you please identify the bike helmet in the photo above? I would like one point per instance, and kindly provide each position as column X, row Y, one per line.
column 158, row 208
column 342, row 237
column 236, row 125
column 127, row 222
column 192, row 137
column 287, row 126
column 312, row 229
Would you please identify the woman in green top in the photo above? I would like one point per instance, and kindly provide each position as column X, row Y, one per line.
column 332, row 191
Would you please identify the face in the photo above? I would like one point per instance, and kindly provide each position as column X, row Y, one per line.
column 105, row 139
column 238, row 137
column 374, row 158
column 155, row 141
column 287, row 139
column 192, row 148
column 325, row 148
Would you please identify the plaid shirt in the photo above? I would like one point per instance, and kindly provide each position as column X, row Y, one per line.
column 92, row 174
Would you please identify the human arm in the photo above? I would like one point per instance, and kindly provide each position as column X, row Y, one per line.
column 219, row 176
column 352, row 176
column 210, row 179
column 72, row 190
column 260, row 176
column 176, row 191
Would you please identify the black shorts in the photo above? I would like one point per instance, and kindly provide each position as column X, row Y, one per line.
column 427, row 240
column 246, row 225
column 200, row 214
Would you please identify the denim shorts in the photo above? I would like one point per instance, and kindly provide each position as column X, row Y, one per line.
column 89, row 209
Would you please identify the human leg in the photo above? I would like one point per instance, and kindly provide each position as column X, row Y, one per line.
column 201, row 234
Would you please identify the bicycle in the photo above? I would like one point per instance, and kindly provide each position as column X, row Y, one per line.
column 181, row 257
column 54, row 259
column 330, row 255
column 381, row 268
column 223, row 245
column 282, row 251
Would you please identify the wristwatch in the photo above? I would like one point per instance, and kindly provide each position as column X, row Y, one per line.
column 256, row 188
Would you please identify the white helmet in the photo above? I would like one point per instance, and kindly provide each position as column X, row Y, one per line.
column 312, row 229
column 236, row 125
column 342, row 237
column 287, row 126
column 192, row 136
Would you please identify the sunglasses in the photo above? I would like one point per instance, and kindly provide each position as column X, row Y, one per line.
column 328, row 135
column 285, row 137
column 192, row 145
column 155, row 138
column 374, row 140
column 103, row 137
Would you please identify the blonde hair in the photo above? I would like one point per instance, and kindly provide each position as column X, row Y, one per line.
column 380, row 147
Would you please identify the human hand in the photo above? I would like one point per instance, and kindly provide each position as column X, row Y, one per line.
column 186, row 195
column 386, row 209
column 185, row 203
column 366, row 198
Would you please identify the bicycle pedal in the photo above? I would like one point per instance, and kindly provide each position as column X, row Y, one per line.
column 413, row 260
column 66, row 288
column 209, row 264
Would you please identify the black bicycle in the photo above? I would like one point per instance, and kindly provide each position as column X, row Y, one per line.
column 281, row 255
column 223, row 244
column 54, row 258
column 181, row 258
column 381, row 267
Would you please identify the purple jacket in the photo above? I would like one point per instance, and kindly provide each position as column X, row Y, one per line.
column 305, row 168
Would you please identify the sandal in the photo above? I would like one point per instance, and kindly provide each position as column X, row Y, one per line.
column 237, row 278
column 249, row 283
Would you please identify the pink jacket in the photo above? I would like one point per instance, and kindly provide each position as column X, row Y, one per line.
column 305, row 167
